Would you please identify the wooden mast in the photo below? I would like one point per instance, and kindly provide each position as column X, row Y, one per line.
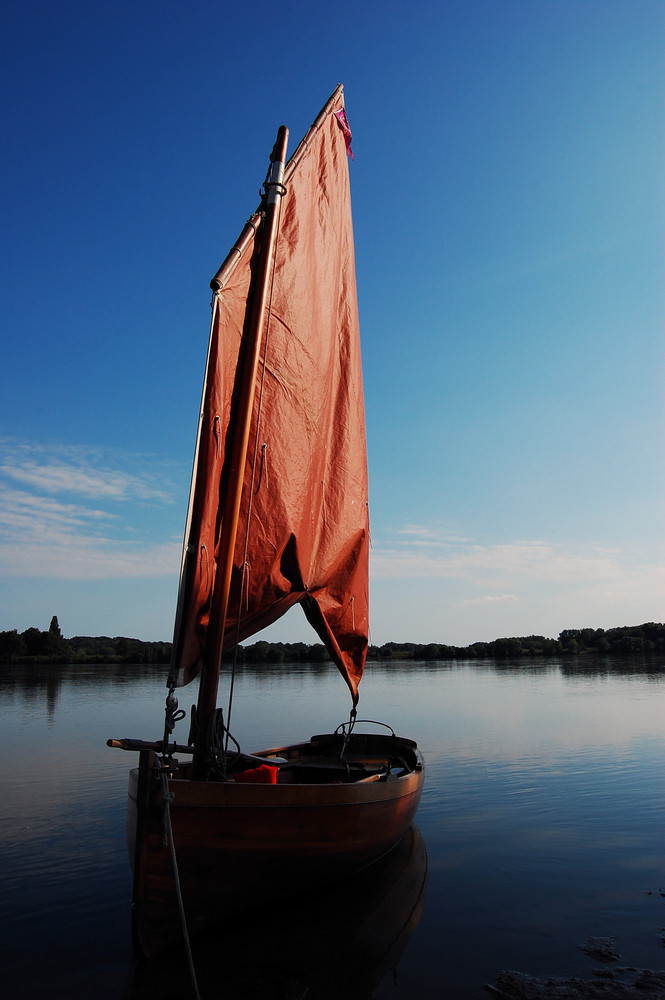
column 212, row 655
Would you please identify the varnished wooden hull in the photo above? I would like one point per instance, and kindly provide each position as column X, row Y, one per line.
column 239, row 844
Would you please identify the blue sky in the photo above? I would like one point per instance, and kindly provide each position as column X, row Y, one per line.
column 508, row 207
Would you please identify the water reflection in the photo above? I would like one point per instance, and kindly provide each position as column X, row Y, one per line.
column 339, row 941
column 567, row 666
column 45, row 679
column 542, row 812
column 35, row 684
column 34, row 679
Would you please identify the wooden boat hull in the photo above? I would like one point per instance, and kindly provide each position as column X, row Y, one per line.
column 239, row 844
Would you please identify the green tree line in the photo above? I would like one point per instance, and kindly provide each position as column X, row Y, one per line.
column 34, row 645
column 646, row 638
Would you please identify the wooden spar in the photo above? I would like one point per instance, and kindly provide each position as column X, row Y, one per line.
column 212, row 654
column 252, row 225
column 243, row 242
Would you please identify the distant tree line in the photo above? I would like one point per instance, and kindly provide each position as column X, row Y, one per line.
column 647, row 638
column 278, row 652
column 36, row 646
column 33, row 646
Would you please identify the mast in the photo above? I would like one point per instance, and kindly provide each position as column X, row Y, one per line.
column 212, row 655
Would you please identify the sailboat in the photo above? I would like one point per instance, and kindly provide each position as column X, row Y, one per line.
column 277, row 516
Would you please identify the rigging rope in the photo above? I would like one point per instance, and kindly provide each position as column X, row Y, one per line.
column 171, row 715
column 167, row 799
column 217, row 745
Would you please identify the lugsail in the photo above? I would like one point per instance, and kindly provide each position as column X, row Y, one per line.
column 303, row 534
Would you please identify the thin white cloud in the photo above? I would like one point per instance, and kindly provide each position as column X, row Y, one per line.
column 93, row 483
column 487, row 599
column 465, row 592
column 525, row 581
column 50, row 530
column 448, row 556
column 417, row 531
column 433, row 535
column 24, row 515
column 88, row 559
column 85, row 472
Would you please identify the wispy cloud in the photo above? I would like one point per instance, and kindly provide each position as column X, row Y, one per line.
column 74, row 515
column 82, row 471
column 434, row 535
column 454, row 589
column 488, row 599
column 23, row 514
column 84, row 560
column 430, row 552
column 94, row 483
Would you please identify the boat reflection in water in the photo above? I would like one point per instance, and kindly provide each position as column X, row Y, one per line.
column 340, row 940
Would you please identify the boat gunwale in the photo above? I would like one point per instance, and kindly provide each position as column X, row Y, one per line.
column 192, row 793
column 215, row 794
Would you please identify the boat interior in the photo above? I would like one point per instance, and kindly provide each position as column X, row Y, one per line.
column 327, row 759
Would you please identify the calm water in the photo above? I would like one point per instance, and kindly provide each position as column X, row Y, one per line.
column 542, row 818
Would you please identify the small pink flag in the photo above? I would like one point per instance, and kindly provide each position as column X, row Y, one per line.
column 343, row 123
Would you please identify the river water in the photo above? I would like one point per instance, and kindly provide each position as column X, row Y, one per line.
column 541, row 826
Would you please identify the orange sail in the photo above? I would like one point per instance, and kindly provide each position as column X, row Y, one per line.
column 303, row 532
